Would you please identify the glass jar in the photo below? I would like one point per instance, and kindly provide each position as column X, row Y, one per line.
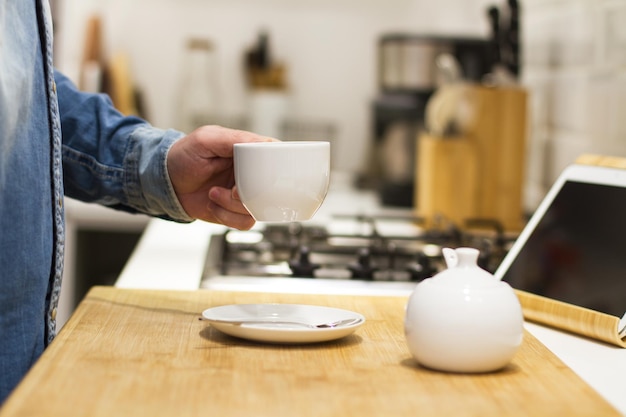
column 197, row 104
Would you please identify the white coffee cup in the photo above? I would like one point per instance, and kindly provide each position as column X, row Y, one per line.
column 282, row 181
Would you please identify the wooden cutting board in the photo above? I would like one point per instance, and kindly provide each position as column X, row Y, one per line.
column 147, row 353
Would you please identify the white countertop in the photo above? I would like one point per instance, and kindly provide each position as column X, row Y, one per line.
column 171, row 256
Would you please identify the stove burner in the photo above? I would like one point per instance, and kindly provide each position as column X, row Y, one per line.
column 366, row 248
column 422, row 268
column 303, row 267
column 363, row 268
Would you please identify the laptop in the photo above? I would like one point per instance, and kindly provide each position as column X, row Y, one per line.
column 573, row 249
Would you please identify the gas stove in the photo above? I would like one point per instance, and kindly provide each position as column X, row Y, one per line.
column 357, row 248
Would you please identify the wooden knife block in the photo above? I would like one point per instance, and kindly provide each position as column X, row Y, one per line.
column 447, row 178
column 481, row 174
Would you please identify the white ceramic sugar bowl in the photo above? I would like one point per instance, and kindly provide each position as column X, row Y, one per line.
column 463, row 319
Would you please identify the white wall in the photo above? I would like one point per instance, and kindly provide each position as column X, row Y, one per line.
column 329, row 47
column 574, row 56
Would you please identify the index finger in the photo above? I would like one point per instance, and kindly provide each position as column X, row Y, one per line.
column 220, row 140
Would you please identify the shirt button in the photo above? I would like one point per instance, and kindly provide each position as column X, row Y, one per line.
column 53, row 314
column 54, row 87
column 60, row 202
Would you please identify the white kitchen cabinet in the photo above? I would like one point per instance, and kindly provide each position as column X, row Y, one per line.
column 98, row 242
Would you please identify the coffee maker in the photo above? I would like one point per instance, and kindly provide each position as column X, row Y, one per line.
column 407, row 77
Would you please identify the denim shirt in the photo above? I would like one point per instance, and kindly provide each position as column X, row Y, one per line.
column 55, row 140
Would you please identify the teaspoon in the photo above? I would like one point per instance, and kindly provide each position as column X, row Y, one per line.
column 327, row 325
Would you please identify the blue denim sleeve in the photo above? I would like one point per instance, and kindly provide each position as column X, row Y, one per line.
column 114, row 160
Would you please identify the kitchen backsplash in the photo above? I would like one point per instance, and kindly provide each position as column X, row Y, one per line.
column 574, row 62
column 575, row 68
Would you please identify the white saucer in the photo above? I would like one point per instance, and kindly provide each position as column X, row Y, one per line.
column 283, row 332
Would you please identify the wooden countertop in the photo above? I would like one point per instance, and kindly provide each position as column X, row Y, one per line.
column 146, row 352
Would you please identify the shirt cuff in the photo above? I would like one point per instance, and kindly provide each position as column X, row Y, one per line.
column 148, row 186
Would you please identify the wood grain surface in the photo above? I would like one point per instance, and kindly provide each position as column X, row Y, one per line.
column 500, row 136
column 447, row 179
column 571, row 318
column 147, row 353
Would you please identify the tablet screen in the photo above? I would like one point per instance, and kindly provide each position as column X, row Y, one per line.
column 577, row 251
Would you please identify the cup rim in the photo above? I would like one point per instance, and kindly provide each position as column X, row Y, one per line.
column 281, row 143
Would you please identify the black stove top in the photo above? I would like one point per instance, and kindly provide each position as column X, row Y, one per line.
column 372, row 248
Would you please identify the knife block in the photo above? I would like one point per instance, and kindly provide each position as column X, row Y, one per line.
column 481, row 174
column 447, row 179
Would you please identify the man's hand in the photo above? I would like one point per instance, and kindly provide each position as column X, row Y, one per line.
column 200, row 167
